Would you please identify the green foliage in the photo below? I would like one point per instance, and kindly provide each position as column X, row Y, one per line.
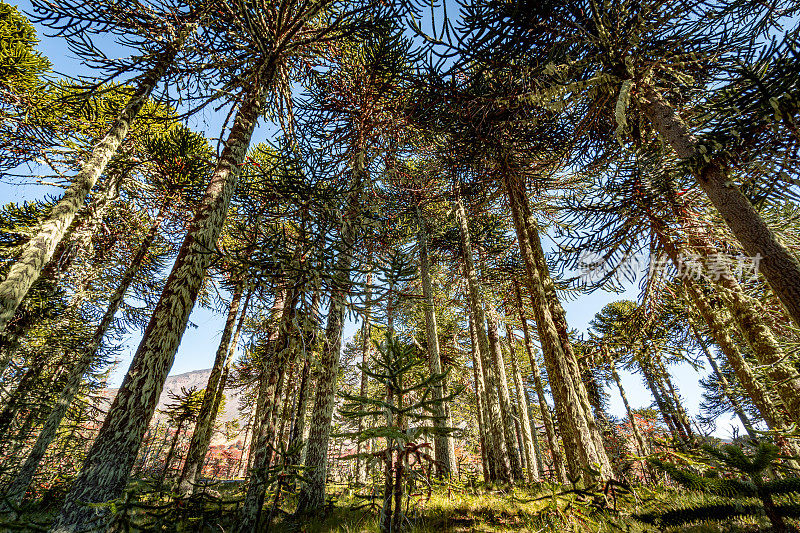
column 752, row 493
column 20, row 65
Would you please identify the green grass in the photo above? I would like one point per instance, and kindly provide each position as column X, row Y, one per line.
column 454, row 508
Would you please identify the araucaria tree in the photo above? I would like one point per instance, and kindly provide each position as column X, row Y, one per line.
column 426, row 253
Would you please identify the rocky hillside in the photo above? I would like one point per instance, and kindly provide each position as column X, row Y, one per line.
column 195, row 378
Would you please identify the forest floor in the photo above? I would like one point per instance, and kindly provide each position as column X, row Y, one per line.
column 455, row 508
column 547, row 508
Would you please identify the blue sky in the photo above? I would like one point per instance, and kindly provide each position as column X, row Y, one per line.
column 199, row 344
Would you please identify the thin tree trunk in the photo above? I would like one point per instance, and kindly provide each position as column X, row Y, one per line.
column 298, row 425
column 643, row 450
column 524, row 414
column 723, row 381
column 170, row 454
column 579, row 441
column 498, row 446
column 480, row 397
column 535, row 436
column 780, row 268
column 107, row 466
column 547, row 420
column 23, row 478
column 312, row 494
column 201, row 436
column 366, row 349
column 506, row 409
column 675, row 400
column 719, row 330
column 261, row 444
column 215, row 388
column 444, row 450
column 38, row 251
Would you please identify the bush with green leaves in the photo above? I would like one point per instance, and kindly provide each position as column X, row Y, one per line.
column 408, row 409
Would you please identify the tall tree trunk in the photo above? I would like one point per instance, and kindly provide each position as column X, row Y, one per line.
column 444, row 450
column 674, row 399
column 643, row 450
column 723, row 382
column 719, row 330
column 77, row 237
column 170, row 454
column 107, row 466
column 780, row 268
column 579, row 441
column 480, row 397
column 524, row 414
column 366, row 350
column 537, row 450
column 559, row 317
column 89, row 355
column 498, row 446
column 752, row 319
column 298, row 425
column 261, row 444
column 38, row 251
column 312, row 494
column 215, row 388
column 547, row 420
column 499, row 367
column 663, row 407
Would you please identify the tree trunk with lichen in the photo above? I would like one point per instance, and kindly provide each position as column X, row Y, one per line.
column 366, row 352
column 499, row 367
column 524, row 414
column 443, row 444
column 497, row 447
column 547, row 420
column 719, row 329
column 268, row 399
column 480, row 398
column 22, row 480
column 723, row 382
column 39, row 249
column 107, row 467
column 575, row 419
column 201, row 437
column 780, row 268
column 312, row 494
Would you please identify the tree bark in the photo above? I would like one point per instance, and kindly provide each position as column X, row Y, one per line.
column 499, row 367
column 108, row 464
column 22, row 480
column 366, row 351
column 780, row 268
column 38, row 251
column 524, row 414
column 498, row 446
column 547, row 420
column 269, row 397
column 579, row 442
column 312, row 493
column 724, row 384
column 480, row 399
column 643, row 450
column 201, row 437
column 443, row 444
column 754, row 387
column 170, row 453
